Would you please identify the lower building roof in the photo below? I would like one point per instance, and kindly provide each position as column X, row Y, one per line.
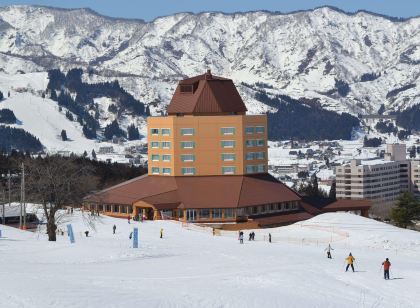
column 198, row 191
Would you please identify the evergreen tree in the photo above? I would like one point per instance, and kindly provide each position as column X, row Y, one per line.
column 53, row 95
column 333, row 191
column 85, row 154
column 412, row 151
column 133, row 132
column 406, row 211
column 94, row 154
column 89, row 133
column 64, row 135
column 7, row 116
column 1, row 96
column 18, row 139
column 112, row 130
column 315, row 185
column 69, row 115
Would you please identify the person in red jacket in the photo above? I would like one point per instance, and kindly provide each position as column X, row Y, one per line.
column 386, row 264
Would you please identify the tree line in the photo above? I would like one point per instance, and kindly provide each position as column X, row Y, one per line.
column 54, row 182
column 294, row 119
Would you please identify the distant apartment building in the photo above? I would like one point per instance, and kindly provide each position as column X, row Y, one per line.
column 379, row 180
column 415, row 177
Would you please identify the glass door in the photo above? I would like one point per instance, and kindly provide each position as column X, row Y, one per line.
column 191, row 215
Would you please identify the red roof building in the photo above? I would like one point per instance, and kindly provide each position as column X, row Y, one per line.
column 207, row 163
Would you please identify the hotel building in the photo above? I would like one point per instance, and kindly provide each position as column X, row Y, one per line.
column 207, row 162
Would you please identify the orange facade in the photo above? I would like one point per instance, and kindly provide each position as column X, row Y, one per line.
column 191, row 145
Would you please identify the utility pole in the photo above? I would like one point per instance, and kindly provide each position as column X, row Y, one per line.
column 21, row 206
column 22, row 200
column 8, row 192
column 3, row 202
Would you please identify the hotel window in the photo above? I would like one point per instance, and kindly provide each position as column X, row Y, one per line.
column 187, row 157
column 155, row 157
column 123, row 209
column 229, row 213
column 260, row 155
column 228, row 157
column 260, row 168
column 249, row 156
column 155, row 170
column 227, row 130
column 166, row 171
column 187, row 144
column 217, row 213
column 260, row 129
column 188, row 171
column 250, row 143
column 116, row 209
column 166, row 145
column 154, row 131
column 108, row 208
column 260, row 142
column 250, row 168
column 166, row 131
column 228, row 144
column 166, row 157
column 228, row 170
column 204, row 214
column 154, row 145
column 187, row 131
column 249, row 130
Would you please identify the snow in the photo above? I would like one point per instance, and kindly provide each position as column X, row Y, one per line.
column 149, row 58
column 191, row 268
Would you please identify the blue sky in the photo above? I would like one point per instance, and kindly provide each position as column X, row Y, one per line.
column 150, row 9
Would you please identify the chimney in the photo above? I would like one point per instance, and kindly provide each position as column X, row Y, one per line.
column 208, row 75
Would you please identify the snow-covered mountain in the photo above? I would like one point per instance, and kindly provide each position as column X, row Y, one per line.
column 308, row 54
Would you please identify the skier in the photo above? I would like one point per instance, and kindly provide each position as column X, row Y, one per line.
column 250, row 236
column 113, row 229
column 328, row 250
column 253, row 236
column 241, row 237
column 131, row 235
column 128, row 218
column 161, row 233
column 386, row 264
column 350, row 259
column 87, row 233
column 269, row 237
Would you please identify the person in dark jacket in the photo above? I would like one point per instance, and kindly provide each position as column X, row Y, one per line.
column 386, row 264
column 114, row 227
column 269, row 237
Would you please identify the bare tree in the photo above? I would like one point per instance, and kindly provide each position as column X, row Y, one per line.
column 55, row 182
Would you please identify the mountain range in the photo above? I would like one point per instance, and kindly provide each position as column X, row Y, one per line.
column 323, row 58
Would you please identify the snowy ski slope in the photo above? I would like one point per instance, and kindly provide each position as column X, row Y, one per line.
column 190, row 267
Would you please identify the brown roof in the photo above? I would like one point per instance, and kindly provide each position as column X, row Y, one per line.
column 282, row 219
column 198, row 191
column 347, row 205
column 206, row 94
